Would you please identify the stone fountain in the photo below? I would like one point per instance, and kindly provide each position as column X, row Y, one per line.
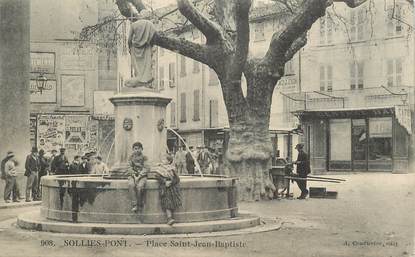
column 101, row 204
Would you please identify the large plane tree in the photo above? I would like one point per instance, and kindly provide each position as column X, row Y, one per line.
column 226, row 52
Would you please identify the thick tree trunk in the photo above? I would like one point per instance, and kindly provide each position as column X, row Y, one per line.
column 248, row 158
column 249, row 148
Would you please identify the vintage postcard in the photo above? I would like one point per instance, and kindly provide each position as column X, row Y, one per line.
column 280, row 128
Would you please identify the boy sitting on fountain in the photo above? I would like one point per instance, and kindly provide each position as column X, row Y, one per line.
column 137, row 177
column 168, row 179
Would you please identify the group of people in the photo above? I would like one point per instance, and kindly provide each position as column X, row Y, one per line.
column 206, row 157
column 37, row 164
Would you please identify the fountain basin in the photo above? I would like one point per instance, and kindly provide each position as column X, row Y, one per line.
column 93, row 199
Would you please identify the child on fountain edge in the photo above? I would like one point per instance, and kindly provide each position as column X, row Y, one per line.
column 170, row 195
column 137, row 177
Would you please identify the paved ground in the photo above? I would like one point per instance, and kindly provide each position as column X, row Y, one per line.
column 374, row 215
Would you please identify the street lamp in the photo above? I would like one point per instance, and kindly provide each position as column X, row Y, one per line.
column 41, row 81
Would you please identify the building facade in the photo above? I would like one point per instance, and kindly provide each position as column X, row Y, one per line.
column 73, row 110
column 356, row 105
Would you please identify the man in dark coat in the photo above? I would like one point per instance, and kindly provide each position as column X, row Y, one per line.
column 303, row 169
column 32, row 166
column 60, row 163
column 190, row 162
column 43, row 166
column 75, row 165
column 84, row 167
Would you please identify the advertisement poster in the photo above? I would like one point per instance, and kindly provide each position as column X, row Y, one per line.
column 50, row 132
column 76, row 134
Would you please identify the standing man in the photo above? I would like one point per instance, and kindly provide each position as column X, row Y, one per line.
column 100, row 167
column 43, row 166
column 50, row 161
column 10, row 174
column 190, row 162
column 204, row 160
column 75, row 166
column 60, row 163
column 84, row 166
column 32, row 167
column 303, row 169
column 180, row 160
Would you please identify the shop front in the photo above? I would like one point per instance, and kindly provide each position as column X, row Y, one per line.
column 367, row 139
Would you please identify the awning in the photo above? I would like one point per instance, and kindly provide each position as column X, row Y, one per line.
column 345, row 113
column 402, row 114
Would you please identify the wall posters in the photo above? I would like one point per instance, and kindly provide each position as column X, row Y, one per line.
column 77, row 133
column 50, row 132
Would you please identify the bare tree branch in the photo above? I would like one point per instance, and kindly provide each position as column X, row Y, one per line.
column 210, row 29
column 299, row 43
column 184, row 47
column 242, row 31
column 351, row 3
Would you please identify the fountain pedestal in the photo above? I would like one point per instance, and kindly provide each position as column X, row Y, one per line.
column 139, row 116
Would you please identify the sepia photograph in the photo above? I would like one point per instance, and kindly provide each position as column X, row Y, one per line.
column 269, row 128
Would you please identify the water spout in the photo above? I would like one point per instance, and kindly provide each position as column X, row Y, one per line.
column 187, row 148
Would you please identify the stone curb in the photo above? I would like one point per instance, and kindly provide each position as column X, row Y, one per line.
column 19, row 205
column 33, row 221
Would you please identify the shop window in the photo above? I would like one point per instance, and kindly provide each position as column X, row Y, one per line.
column 394, row 72
column 340, row 140
column 393, row 20
column 380, row 138
column 183, row 107
column 172, row 74
column 326, row 78
column 196, row 103
column 356, row 75
column 161, row 78
column 326, row 30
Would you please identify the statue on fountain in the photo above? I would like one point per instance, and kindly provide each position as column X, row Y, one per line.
column 139, row 44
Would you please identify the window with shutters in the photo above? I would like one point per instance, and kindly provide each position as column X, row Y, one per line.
column 196, row 66
column 172, row 114
column 172, row 74
column 183, row 107
column 161, row 78
column 356, row 75
column 182, row 66
column 393, row 20
column 196, row 103
column 394, row 72
column 326, row 30
column 326, row 78
column 213, row 113
column 357, row 24
column 259, row 30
